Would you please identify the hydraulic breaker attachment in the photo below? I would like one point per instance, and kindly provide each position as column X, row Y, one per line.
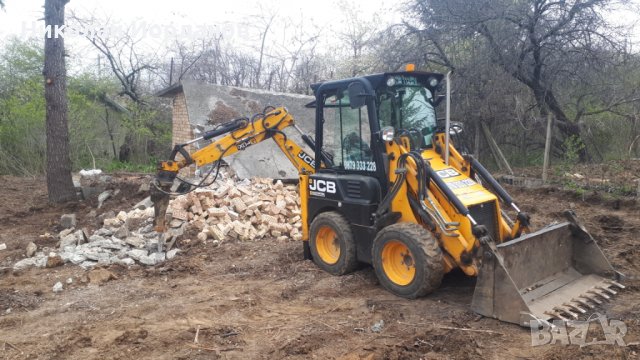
column 558, row 272
column 160, row 200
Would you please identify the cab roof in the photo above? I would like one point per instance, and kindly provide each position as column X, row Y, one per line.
column 376, row 80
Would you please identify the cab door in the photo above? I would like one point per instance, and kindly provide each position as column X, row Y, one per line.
column 353, row 180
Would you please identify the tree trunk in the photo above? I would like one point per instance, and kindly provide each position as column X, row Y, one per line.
column 547, row 102
column 59, row 184
column 110, row 132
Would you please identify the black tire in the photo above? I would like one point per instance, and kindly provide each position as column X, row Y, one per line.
column 425, row 257
column 346, row 261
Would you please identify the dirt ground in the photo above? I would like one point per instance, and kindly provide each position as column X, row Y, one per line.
column 246, row 300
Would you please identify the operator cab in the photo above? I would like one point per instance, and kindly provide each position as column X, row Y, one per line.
column 402, row 101
column 350, row 116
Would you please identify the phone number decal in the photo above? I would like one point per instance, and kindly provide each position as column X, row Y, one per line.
column 360, row 165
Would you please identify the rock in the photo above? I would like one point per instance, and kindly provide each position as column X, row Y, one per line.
column 92, row 214
column 3, row 246
column 136, row 254
column 40, row 260
column 177, row 232
column 69, row 281
column 101, row 276
column 107, row 215
column 57, row 287
column 31, row 249
column 103, row 197
column 144, row 204
column 103, row 232
column 135, row 241
column 68, row 221
column 65, row 232
column 94, row 238
column 69, row 240
column 74, row 258
column 152, row 259
column 90, row 191
column 136, row 219
column 377, row 327
column 88, row 264
column 117, row 242
column 100, row 256
column 122, row 232
column 122, row 216
column 24, row 263
column 127, row 261
column 175, row 223
column 105, row 178
column 144, row 187
column 112, row 223
column 54, row 261
column 146, row 229
column 106, row 244
column 172, row 253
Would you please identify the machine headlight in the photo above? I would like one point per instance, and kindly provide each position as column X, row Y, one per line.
column 433, row 82
column 391, row 81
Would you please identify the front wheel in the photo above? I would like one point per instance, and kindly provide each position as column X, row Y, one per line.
column 331, row 243
column 407, row 260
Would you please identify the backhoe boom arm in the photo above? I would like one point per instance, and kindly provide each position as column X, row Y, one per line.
column 240, row 134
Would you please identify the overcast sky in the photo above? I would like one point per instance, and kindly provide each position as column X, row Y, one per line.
column 158, row 22
column 20, row 17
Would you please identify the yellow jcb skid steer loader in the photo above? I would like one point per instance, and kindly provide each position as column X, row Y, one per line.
column 386, row 186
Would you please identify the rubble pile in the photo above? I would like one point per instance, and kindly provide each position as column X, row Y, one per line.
column 244, row 210
column 124, row 239
column 247, row 210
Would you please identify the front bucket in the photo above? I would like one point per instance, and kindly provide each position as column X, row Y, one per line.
column 558, row 272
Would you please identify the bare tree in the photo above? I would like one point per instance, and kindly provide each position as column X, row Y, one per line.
column 59, row 184
column 267, row 25
column 358, row 37
column 540, row 43
column 122, row 54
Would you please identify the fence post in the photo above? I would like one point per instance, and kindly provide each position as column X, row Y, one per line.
column 547, row 149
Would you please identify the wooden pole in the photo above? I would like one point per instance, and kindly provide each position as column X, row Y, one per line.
column 503, row 164
column 547, row 149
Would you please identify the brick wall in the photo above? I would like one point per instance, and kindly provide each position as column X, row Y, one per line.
column 181, row 127
column 181, row 132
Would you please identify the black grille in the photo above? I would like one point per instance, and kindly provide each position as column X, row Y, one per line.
column 485, row 214
column 354, row 189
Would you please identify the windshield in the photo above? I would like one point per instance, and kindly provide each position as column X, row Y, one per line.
column 408, row 109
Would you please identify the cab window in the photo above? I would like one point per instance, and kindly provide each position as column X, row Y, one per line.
column 346, row 134
column 408, row 109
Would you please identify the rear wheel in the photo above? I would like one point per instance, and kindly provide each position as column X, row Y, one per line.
column 331, row 244
column 407, row 260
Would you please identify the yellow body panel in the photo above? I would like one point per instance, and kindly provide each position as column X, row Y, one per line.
column 460, row 243
column 304, row 205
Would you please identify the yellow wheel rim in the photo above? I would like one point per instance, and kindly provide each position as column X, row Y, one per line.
column 397, row 263
column 328, row 245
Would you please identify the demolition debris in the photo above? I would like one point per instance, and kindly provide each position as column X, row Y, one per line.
column 245, row 210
